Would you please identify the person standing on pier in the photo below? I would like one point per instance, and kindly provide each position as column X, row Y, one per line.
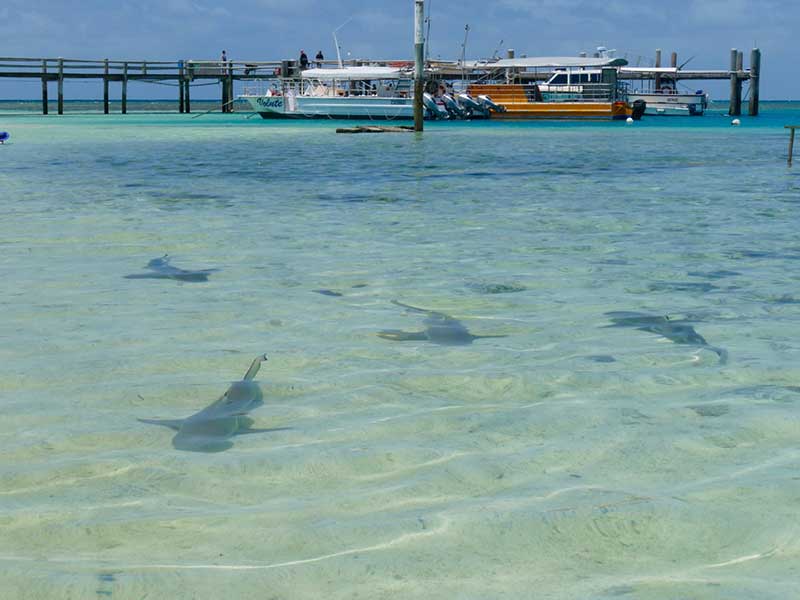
column 319, row 59
column 303, row 60
column 224, row 60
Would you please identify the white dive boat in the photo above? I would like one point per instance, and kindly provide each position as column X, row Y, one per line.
column 666, row 100
column 371, row 93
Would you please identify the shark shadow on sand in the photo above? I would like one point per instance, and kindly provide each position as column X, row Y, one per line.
column 211, row 429
column 161, row 269
column 439, row 329
column 679, row 331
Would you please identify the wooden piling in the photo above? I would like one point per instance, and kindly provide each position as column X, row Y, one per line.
column 419, row 62
column 105, row 86
column 657, row 78
column 61, row 86
column 755, row 78
column 125, row 88
column 181, row 99
column 231, row 97
column 224, row 104
column 735, row 108
column 673, row 60
column 44, row 87
column 791, row 129
column 186, row 98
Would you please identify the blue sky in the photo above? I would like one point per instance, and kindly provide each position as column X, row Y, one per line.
column 273, row 29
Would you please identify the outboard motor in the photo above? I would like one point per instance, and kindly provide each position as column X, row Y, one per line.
column 436, row 110
column 489, row 104
column 639, row 106
column 452, row 106
column 469, row 103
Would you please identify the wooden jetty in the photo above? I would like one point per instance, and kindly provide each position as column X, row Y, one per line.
column 182, row 74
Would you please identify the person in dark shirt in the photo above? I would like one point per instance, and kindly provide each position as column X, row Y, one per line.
column 319, row 59
column 303, row 60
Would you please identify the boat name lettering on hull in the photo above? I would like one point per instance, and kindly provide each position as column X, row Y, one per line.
column 270, row 102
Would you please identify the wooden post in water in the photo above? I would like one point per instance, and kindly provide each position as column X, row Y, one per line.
column 419, row 61
column 61, row 86
column 124, row 88
column 673, row 60
column 736, row 86
column 105, row 86
column 181, row 99
column 755, row 77
column 657, row 78
column 44, row 87
column 791, row 129
column 186, row 99
column 230, row 88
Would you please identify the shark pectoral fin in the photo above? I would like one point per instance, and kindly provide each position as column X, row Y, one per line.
column 402, row 336
column 174, row 424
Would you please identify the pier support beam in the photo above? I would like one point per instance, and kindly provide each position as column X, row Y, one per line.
column 105, row 86
column 186, row 97
column 224, row 104
column 124, row 88
column 657, row 78
column 44, row 87
column 181, row 98
column 755, row 77
column 673, row 60
column 736, row 86
column 61, row 86
column 419, row 61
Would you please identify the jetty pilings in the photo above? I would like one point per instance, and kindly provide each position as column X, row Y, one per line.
column 44, row 88
column 105, row 86
column 736, row 83
column 657, row 77
column 419, row 62
column 124, row 88
column 791, row 129
column 61, row 86
column 755, row 78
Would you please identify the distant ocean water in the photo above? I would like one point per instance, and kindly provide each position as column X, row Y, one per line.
column 631, row 432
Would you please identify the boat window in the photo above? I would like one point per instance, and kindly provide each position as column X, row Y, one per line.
column 561, row 78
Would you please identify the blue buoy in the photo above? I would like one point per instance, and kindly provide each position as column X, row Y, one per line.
column 4, row 135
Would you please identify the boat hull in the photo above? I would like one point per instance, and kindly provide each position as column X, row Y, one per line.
column 684, row 105
column 519, row 105
column 332, row 107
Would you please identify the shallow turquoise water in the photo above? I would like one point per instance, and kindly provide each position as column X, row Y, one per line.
column 567, row 460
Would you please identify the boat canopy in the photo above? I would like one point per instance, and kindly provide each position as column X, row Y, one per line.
column 654, row 70
column 354, row 73
column 551, row 62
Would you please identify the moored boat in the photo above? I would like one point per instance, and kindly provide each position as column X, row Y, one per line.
column 579, row 88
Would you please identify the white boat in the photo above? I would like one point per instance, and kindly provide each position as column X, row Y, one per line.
column 380, row 93
column 370, row 93
column 666, row 99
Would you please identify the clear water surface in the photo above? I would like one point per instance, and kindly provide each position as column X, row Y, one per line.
column 570, row 459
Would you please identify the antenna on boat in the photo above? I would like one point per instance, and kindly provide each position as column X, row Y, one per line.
column 464, row 54
column 428, row 33
column 686, row 63
column 336, row 41
column 496, row 50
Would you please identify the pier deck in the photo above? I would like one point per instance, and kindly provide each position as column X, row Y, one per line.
column 185, row 72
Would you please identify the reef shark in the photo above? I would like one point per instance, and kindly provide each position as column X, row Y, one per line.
column 440, row 329
column 211, row 429
column 161, row 269
column 679, row 331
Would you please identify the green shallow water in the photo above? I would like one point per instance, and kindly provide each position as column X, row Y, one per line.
column 566, row 460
